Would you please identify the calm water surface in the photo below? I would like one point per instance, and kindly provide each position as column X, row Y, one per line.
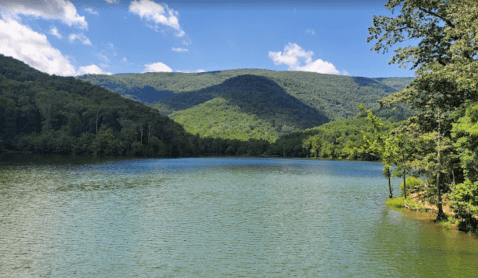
column 215, row 217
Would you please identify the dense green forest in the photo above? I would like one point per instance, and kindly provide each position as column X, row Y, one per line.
column 258, row 108
column 150, row 87
column 254, row 104
column 341, row 139
column 49, row 114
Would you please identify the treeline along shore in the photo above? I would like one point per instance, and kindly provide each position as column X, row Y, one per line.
column 63, row 115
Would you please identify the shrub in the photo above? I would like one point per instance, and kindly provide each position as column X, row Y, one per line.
column 396, row 202
column 413, row 182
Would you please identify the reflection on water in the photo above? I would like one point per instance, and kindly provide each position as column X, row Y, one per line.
column 214, row 217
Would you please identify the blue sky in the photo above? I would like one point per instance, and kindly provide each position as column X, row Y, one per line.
column 124, row 36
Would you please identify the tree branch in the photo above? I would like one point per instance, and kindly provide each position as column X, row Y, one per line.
column 447, row 21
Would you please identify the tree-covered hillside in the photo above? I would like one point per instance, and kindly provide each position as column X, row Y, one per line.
column 334, row 96
column 256, row 107
column 50, row 114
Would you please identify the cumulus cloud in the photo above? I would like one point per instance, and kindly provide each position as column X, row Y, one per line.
column 92, row 69
column 157, row 13
column 34, row 49
column 156, row 67
column 24, row 44
column 54, row 32
column 79, row 37
column 297, row 59
column 178, row 49
column 111, row 1
column 61, row 10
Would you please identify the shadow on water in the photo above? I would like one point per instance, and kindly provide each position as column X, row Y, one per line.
column 53, row 159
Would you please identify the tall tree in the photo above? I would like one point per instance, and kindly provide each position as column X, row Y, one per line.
column 444, row 58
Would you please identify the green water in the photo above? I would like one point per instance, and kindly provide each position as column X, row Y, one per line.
column 215, row 217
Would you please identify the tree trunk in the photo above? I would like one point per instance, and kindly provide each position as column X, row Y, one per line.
column 390, row 188
column 441, row 215
column 404, row 185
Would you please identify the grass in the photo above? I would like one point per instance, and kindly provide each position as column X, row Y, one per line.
column 415, row 205
column 396, row 202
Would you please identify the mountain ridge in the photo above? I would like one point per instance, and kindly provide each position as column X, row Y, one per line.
column 181, row 95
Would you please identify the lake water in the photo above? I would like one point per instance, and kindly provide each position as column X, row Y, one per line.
column 215, row 217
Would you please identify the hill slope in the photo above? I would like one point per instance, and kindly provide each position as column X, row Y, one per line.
column 51, row 114
column 335, row 96
column 314, row 98
column 255, row 107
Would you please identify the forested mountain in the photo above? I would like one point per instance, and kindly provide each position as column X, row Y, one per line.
column 251, row 103
column 255, row 107
column 50, row 114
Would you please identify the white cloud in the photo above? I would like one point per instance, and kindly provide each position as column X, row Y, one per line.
column 191, row 71
column 319, row 66
column 156, row 67
column 310, row 32
column 54, row 32
column 34, row 49
column 61, row 10
column 79, row 37
column 178, row 49
column 112, row 1
column 157, row 13
column 91, row 11
column 24, row 44
column 297, row 59
column 124, row 60
column 92, row 69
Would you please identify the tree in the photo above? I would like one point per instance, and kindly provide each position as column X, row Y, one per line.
column 445, row 62
column 390, row 146
column 445, row 56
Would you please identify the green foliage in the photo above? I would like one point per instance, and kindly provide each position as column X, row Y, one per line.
column 264, row 111
column 49, row 114
column 396, row 83
column 413, row 182
column 465, row 132
column 218, row 119
column 440, row 139
column 340, row 139
column 323, row 97
column 386, row 171
column 465, row 205
column 396, row 202
column 466, row 197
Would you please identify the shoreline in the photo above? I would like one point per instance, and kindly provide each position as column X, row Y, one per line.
column 428, row 212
